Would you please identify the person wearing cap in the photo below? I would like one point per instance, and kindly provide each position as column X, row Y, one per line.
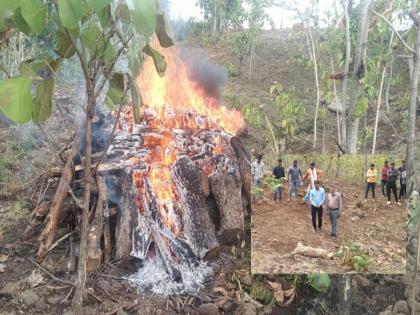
column 257, row 172
column 334, row 206
column 391, row 184
column 313, row 174
column 317, row 199
column 294, row 176
column 371, row 175
column 403, row 180
column 384, row 177
column 278, row 173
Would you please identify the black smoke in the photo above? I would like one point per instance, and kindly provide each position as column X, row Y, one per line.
column 211, row 77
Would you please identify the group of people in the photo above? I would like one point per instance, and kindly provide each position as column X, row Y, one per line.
column 389, row 178
column 315, row 193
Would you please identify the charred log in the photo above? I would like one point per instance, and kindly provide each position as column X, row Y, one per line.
column 198, row 228
column 226, row 189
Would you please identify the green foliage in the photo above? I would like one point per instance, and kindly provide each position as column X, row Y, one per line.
column 273, row 183
column 143, row 15
column 64, row 45
column 7, row 8
column 115, row 91
column 158, row 59
column 353, row 256
column 262, row 294
column 42, row 103
column 366, row 134
column 253, row 114
column 35, row 14
column 361, row 107
column 319, row 281
column 82, row 27
column 98, row 5
column 16, row 99
column 349, row 168
column 70, row 12
column 290, row 111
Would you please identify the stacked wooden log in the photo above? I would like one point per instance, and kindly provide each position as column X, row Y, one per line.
column 206, row 163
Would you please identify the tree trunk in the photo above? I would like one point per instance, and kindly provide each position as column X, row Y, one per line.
column 251, row 58
column 214, row 22
column 316, row 84
column 411, row 132
column 81, row 269
column 346, row 75
column 335, row 97
column 378, row 110
column 388, row 84
column 352, row 127
column 344, row 303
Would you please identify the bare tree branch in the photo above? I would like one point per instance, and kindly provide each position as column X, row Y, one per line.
column 395, row 31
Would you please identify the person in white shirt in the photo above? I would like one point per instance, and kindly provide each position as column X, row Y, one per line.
column 257, row 172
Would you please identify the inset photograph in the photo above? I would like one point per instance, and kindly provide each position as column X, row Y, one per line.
column 327, row 213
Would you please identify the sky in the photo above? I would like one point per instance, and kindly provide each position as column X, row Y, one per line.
column 187, row 8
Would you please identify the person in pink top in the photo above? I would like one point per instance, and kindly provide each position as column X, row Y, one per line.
column 384, row 177
column 334, row 206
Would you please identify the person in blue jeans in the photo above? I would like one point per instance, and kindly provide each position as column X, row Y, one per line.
column 317, row 199
column 294, row 176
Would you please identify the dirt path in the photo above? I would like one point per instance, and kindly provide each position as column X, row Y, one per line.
column 277, row 229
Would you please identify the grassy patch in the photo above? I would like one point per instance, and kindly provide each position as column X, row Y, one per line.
column 12, row 213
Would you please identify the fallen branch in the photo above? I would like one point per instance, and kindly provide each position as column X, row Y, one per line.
column 311, row 252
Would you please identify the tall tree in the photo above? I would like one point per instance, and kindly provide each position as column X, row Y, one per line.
column 414, row 82
column 352, row 122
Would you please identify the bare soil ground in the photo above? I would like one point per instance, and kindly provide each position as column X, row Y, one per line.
column 277, row 229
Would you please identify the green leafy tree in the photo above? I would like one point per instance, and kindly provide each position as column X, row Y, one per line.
column 99, row 33
column 290, row 114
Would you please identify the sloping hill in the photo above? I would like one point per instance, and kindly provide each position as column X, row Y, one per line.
column 281, row 56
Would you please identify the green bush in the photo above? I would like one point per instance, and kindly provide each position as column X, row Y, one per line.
column 349, row 168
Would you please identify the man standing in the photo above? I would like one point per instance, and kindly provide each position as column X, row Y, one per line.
column 313, row 174
column 294, row 176
column 392, row 184
column 384, row 177
column 257, row 172
column 278, row 173
column 371, row 181
column 403, row 180
column 334, row 205
column 317, row 199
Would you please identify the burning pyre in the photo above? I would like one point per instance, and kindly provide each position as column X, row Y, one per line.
column 177, row 179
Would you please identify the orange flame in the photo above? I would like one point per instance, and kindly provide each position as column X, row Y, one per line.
column 177, row 90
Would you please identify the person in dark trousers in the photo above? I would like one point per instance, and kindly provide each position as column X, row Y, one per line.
column 371, row 181
column 384, row 177
column 403, row 180
column 278, row 173
column 391, row 184
column 295, row 178
column 317, row 199
column 334, row 206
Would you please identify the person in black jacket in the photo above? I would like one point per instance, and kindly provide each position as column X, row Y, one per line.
column 391, row 184
column 278, row 173
column 403, row 180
